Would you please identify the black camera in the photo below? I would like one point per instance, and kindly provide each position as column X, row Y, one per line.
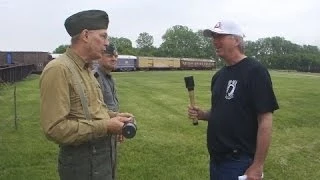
column 129, row 129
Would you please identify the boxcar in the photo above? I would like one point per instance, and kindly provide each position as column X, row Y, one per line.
column 191, row 63
column 158, row 63
column 145, row 63
column 39, row 59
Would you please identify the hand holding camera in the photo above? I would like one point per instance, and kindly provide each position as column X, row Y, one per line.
column 115, row 124
column 129, row 129
column 123, row 125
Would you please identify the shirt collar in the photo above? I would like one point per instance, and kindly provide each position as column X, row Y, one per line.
column 80, row 62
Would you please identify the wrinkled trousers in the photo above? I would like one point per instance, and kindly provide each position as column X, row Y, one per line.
column 88, row 161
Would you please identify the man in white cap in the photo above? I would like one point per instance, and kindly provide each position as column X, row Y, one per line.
column 242, row 106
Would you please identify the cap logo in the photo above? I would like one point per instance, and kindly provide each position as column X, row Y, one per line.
column 218, row 25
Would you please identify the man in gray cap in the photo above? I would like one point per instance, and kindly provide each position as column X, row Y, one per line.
column 242, row 105
column 72, row 111
column 102, row 72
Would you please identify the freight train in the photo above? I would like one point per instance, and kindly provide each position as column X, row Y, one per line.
column 133, row 63
column 124, row 63
column 143, row 63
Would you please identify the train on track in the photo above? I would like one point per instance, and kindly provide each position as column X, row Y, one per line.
column 142, row 63
column 15, row 65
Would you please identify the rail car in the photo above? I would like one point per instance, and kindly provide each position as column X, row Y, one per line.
column 14, row 58
column 198, row 64
column 126, row 63
column 158, row 63
column 16, row 65
column 167, row 63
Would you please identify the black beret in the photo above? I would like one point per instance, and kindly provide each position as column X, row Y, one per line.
column 111, row 49
column 91, row 20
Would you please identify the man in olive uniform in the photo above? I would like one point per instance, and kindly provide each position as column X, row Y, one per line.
column 72, row 110
column 102, row 72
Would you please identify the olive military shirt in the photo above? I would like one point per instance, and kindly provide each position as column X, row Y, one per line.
column 62, row 118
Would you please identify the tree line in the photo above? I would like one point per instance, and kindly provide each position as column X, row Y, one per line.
column 181, row 41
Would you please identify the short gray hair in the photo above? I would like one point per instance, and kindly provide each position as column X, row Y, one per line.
column 241, row 45
column 75, row 38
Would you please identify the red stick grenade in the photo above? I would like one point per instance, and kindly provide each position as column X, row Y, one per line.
column 190, row 86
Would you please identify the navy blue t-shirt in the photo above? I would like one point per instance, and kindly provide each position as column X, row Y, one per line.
column 239, row 93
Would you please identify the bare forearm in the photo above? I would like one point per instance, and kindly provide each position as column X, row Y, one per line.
column 204, row 115
column 263, row 138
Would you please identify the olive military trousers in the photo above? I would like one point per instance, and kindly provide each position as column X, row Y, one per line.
column 89, row 161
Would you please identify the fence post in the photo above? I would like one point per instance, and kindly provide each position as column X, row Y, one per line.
column 15, row 107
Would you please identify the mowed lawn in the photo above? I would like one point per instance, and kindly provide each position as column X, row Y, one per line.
column 167, row 146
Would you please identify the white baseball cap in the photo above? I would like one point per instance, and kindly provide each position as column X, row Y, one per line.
column 224, row 27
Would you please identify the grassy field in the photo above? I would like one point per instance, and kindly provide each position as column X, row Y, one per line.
column 167, row 146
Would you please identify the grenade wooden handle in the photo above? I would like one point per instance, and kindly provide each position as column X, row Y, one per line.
column 192, row 102
column 190, row 86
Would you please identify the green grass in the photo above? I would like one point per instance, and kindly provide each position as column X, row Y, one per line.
column 167, row 146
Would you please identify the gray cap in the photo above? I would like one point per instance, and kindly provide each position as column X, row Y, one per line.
column 90, row 19
column 111, row 49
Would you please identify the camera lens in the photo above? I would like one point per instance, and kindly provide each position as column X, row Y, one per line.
column 129, row 130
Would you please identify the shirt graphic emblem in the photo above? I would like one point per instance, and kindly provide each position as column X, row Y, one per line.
column 232, row 84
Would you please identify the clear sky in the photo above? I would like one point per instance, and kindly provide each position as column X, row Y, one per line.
column 38, row 25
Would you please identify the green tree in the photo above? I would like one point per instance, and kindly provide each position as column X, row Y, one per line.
column 123, row 45
column 180, row 41
column 145, row 45
column 144, row 41
column 279, row 53
column 61, row 49
column 205, row 48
